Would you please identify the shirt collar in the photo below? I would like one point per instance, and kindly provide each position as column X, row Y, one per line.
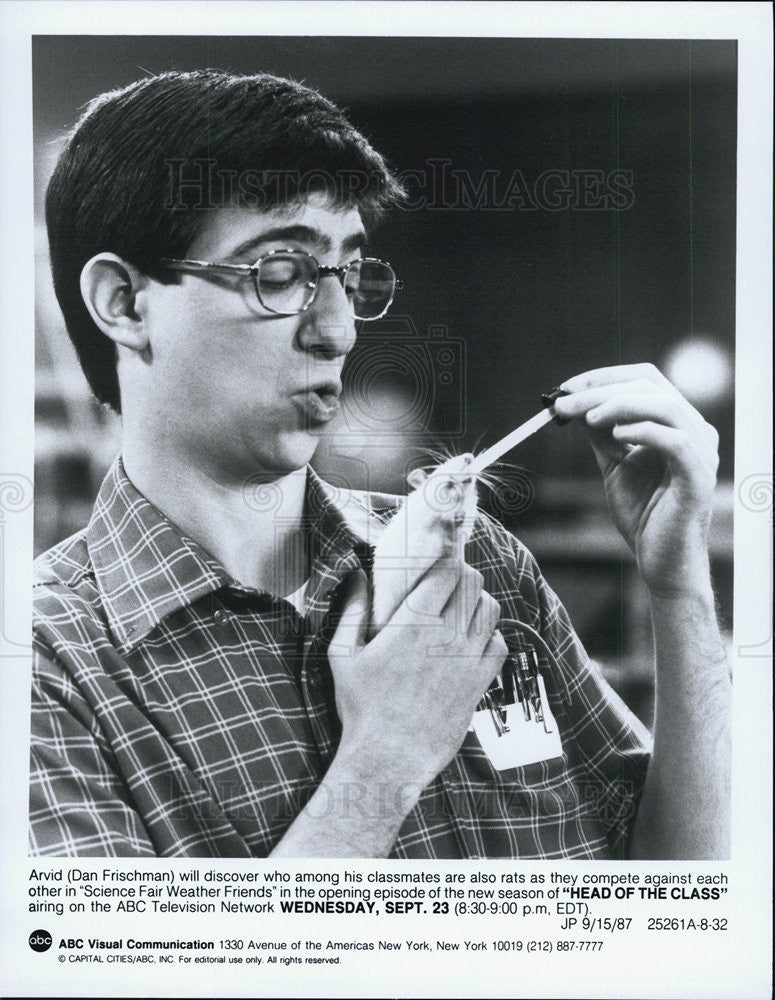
column 339, row 525
column 146, row 568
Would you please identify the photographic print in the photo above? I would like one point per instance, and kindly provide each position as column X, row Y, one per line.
column 383, row 570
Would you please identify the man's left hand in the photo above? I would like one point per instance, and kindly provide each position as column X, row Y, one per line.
column 658, row 457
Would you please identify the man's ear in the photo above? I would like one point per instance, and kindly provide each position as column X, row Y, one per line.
column 110, row 288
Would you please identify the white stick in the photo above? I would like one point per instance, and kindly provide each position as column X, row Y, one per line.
column 497, row 450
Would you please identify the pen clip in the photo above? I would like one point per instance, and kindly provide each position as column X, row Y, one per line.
column 493, row 697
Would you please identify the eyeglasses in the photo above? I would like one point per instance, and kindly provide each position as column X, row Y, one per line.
column 286, row 281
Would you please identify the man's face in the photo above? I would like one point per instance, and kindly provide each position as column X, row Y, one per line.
column 235, row 389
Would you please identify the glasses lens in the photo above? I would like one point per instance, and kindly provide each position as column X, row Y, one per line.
column 286, row 281
column 370, row 286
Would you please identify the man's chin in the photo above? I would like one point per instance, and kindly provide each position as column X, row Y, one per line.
column 291, row 455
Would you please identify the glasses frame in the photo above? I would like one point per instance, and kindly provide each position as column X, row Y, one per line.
column 252, row 270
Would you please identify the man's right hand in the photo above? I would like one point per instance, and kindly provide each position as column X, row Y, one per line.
column 405, row 699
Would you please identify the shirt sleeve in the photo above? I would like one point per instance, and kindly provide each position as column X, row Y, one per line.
column 612, row 743
column 79, row 806
column 606, row 740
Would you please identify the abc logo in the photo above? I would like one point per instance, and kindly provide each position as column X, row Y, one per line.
column 40, row 940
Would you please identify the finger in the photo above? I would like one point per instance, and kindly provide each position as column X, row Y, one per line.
column 577, row 403
column 432, row 593
column 350, row 634
column 493, row 657
column 607, row 449
column 615, row 373
column 583, row 402
column 631, row 407
column 462, row 605
column 485, row 619
column 677, row 447
column 629, row 402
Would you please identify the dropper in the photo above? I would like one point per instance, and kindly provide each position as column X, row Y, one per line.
column 519, row 434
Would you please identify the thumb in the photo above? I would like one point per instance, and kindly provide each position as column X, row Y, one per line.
column 350, row 634
column 607, row 449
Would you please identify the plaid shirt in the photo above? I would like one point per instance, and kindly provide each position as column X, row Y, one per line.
column 177, row 713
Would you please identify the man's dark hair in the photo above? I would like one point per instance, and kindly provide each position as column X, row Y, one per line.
column 145, row 163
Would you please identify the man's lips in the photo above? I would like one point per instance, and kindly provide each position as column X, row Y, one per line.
column 320, row 403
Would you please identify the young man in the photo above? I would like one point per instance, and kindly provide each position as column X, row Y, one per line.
column 203, row 685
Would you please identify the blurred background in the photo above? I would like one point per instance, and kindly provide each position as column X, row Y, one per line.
column 571, row 205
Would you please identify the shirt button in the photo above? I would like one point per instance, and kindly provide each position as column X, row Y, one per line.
column 221, row 617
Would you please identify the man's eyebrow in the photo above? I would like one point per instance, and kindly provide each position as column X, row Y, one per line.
column 300, row 234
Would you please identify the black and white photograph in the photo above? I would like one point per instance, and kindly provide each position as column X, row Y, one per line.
column 389, row 482
column 239, row 653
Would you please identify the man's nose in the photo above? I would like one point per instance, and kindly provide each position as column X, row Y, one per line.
column 328, row 325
